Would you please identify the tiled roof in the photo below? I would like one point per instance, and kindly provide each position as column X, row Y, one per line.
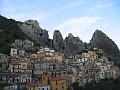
column 32, row 84
column 9, row 74
column 3, row 62
column 15, row 63
column 44, row 61
column 60, row 78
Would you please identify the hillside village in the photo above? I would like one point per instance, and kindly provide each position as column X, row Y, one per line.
column 47, row 69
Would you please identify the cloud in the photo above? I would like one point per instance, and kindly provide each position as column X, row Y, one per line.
column 24, row 16
column 106, row 26
column 11, row 12
column 20, row 11
column 76, row 25
column 101, row 6
column 68, row 6
column 71, row 5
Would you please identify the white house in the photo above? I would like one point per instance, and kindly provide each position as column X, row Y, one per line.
column 26, row 77
column 13, row 51
column 42, row 87
column 11, row 87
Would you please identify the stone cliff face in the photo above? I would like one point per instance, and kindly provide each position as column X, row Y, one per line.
column 32, row 29
column 73, row 45
column 101, row 40
column 58, row 41
column 11, row 30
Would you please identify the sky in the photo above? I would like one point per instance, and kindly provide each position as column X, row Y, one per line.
column 79, row 17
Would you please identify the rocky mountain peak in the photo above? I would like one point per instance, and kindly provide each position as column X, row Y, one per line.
column 57, row 32
column 32, row 29
column 70, row 35
column 32, row 23
column 101, row 40
column 12, row 30
column 99, row 33
column 73, row 45
column 57, row 40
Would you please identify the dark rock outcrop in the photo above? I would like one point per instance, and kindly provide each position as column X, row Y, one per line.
column 9, row 31
column 101, row 40
column 86, row 46
column 32, row 29
column 58, row 41
column 73, row 45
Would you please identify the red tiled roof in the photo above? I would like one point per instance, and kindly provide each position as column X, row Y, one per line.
column 3, row 62
column 32, row 84
column 9, row 74
column 15, row 63
column 45, row 61
column 54, row 70
column 22, row 73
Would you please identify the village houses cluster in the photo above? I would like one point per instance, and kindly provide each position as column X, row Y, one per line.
column 50, row 70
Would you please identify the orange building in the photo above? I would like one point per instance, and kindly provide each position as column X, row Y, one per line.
column 59, row 83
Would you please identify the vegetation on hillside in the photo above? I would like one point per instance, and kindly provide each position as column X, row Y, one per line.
column 9, row 31
column 105, row 84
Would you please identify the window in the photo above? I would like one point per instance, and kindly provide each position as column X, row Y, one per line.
column 63, row 85
column 0, row 65
column 28, row 75
column 13, row 50
column 9, row 87
column 28, row 80
column 41, row 34
column 56, row 82
column 23, row 76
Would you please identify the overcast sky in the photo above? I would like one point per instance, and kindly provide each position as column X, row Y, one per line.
column 79, row 17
